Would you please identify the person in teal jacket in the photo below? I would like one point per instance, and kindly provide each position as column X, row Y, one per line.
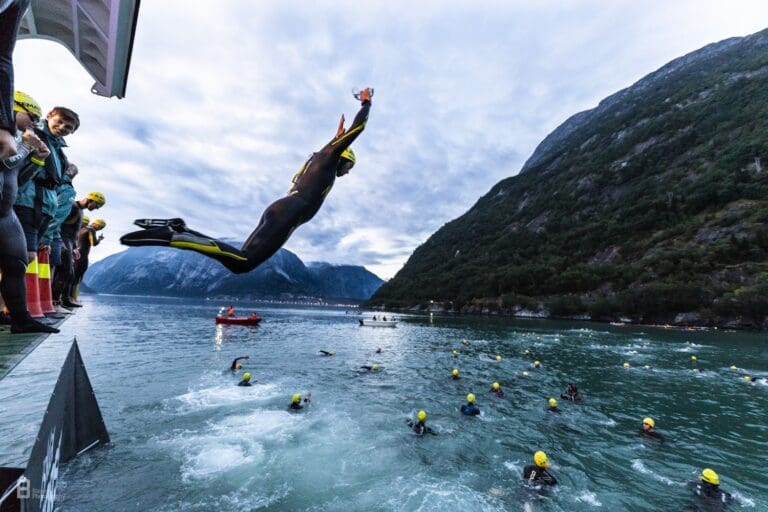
column 65, row 196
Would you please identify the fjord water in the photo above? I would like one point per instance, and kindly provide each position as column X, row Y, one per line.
column 185, row 437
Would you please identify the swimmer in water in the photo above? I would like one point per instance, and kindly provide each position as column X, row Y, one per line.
column 455, row 374
column 420, row 427
column 537, row 473
column 552, row 406
column 470, row 409
column 571, row 393
column 235, row 365
column 296, row 401
column 326, row 353
column 648, row 429
column 496, row 390
column 707, row 495
column 246, row 380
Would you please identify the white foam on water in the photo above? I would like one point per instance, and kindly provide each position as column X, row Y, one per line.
column 638, row 466
column 608, row 422
column 743, row 500
column 222, row 395
column 589, row 498
column 212, row 460
column 513, row 466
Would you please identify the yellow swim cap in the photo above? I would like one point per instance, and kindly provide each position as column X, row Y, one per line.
column 495, row 386
column 552, row 402
column 649, row 422
column 693, row 358
column 746, row 377
column 454, row 353
column 99, row 224
column 296, row 398
column 525, row 374
column 733, row 367
column 375, row 367
column 246, row 376
column 540, row 459
column 97, row 197
column 710, row 477
column 527, row 352
column 455, row 372
column 626, row 365
column 470, row 398
column 422, row 415
column 647, row 367
column 498, row 358
column 465, row 341
column 536, row 364
column 23, row 102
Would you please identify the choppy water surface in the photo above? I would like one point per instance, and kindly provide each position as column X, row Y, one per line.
column 185, row 437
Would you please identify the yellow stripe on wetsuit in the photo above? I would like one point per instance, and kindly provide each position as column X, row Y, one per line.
column 208, row 249
column 350, row 132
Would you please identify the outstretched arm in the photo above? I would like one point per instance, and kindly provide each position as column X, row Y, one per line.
column 344, row 139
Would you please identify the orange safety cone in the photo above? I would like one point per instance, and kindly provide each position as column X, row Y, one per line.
column 44, row 282
column 33, row 291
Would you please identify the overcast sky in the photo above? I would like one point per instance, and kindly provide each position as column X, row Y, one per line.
column 224, row 104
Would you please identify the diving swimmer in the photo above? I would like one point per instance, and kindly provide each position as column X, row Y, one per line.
column 469, row 408
column 310, row 187
column 537, row 473
column 420, row 427
column 326, row 353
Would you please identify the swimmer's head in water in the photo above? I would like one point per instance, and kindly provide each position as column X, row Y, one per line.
column 237, row 367
column 296, row 398
column 375, row 367
column 626, row 365
column 552, row 403
column 470, row 398
column 540, row 459
column 246, row 376
column 648, row 422
column 710, row 477
column 455, row 372
column 498, row 358
column 422, row 415
column 495, row 386
column 536, row 364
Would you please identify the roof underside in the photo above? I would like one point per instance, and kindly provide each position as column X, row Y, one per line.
column 99, row 33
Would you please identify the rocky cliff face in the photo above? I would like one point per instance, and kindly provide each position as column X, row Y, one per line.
column 170, row 272
column 653, row 206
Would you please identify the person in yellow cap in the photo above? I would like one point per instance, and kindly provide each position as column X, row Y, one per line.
column 296, row 401
column 496, row 390
column 14, row 246
column 86, row 240
column 536, row 365
column 371, row 367
column 68, row 230
column 246, row 380
column 420, row 425
column 311, row 185
column 707, row 494
column 537, row 472
column 552, row 406
column 470, row 408
column 455, row 374
column 649, row 429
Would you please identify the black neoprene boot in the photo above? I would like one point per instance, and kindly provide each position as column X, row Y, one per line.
column 27, row 324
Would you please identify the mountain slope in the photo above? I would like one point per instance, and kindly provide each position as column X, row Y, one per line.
column 164, row 271
column 653, row 205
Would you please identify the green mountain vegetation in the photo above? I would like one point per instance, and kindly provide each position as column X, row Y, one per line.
column 652, row 207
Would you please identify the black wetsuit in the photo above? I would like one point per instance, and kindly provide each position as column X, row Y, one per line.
column 244, row 383
column 652, row 434
column 708, row 497
column 10, row 19
column 233, row 367
column 420, row 428
column 86, row 239
column 63, row 281
column 296, row 406
column 310, row 186
column 537, row 475
column 470, row 409
column 326, row 353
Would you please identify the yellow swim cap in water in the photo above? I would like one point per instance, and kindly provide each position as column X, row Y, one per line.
column 552, row 402
column 693, row 358
column 454, row 353
column 733, row 367
column 246, row 376
column 649, row 422
column 527, row 352
column 470, row 398
column 375, row 367
column 464, row 341
column 536, row 364
column 422, row 415
column 525, row 374
column 540, row 458
column 626, row 365
column 455, row 372
column 498, row 358
column 495, row 386
column 647, row 367
column 296, row 398
column 746, row 378
column 710, row 477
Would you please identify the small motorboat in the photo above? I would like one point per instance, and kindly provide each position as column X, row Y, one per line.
column 253, row 319
column 369, row 322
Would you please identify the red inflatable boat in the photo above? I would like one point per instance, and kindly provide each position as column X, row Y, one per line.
column 254, row 319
